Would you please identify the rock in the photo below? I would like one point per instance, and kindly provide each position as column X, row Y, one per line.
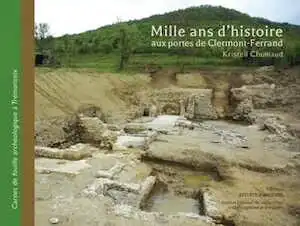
column 131, row 142
column 153, row 111
column 272, row 138
column 93, row 129
column 258, row 117
column 63, row 132
column 294, row 129
column 146, row 188
column 247, row 78
column 203, row 106
column 262, row 95
column 111, row 173
column 151, row 136
column 60, row 132
column 108, row 139
column 104, row 174
column 118, row 148
column 192, row 158
column 249, row 97
column 182, row 107
column 76, row 152
column 113, row 127
column 233, row 138
column 53, row 220
column 73, row 168
column 102, row 185
column 221, row 101
column 97, row 133
column 239, row 94
column 133, row 128
column 274, row 126
column 122, row 197
column 294, row 210
column 170, row 109
column 190, row 111
column 90, row 110
column 265, row 69
column 210, row 206
column 243, row 109
column 185, row 124
column 163, row 123
column 277, row 127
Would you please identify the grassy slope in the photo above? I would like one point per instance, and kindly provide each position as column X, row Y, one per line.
column 97, row 48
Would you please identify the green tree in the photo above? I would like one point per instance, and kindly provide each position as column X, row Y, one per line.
column 42, row 36
column 42, row 31
column 127, row 42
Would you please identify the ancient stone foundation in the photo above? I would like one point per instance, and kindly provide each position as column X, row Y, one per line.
column 191, row 103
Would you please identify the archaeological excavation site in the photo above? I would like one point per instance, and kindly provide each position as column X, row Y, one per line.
column 201, row 148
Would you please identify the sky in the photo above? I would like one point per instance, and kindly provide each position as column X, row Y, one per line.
column 76, row 16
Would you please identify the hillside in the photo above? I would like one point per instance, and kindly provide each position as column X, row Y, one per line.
column 100, row 48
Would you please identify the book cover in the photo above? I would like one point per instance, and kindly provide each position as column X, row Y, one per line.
column 151, row 113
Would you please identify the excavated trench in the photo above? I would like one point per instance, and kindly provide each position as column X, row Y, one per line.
column 210, row 170
column 180, row 189
column 181, row 182
column 162, row 199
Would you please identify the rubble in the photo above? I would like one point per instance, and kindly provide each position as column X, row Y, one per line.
column 232, row 137
column 58, row 132
column 243, row 109
column 45, row 165
column 146, row 188
column 279, row 128
column 210, row 206
column 121, row 193
column 294, row 129
column 133, row 128
column 90, row 110
column 249, row 97
column 112, row 172
column 127, row 141
column 53, row 220
column 113, row 127
column 97, row 133
column 75, row 152
column 93, row 129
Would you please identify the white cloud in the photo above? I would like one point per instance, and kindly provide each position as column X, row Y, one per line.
column 75, row 16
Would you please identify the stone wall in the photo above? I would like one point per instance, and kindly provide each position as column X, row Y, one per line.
column 246, row 98
column 192, row 103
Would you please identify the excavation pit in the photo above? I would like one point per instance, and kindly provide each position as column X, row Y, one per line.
column 162, row 199
column 178, row 189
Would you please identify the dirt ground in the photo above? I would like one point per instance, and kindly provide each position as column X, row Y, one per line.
column 60, row 92
column 212, row 156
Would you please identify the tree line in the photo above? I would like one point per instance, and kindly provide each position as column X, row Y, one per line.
column 124, row 40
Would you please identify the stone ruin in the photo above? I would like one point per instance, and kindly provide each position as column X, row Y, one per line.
column 72, row 144
column 190, row 103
